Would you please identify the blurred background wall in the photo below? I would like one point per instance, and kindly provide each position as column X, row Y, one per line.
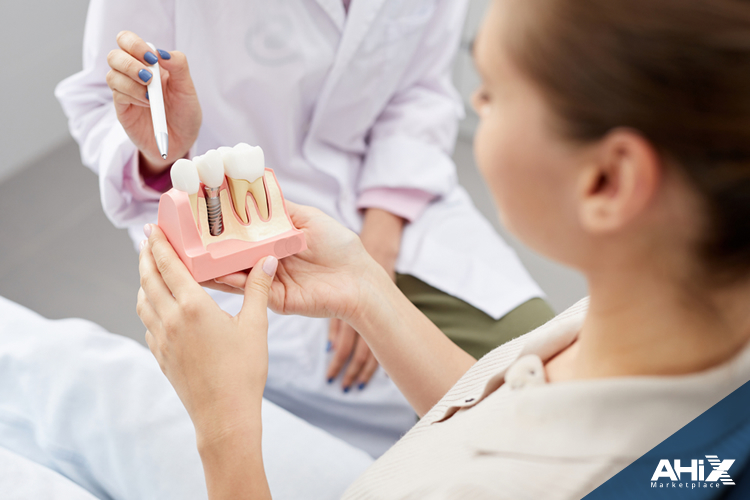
column 59, row 255
column 41, row 44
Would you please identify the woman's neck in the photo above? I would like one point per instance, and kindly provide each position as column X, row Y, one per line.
column 640, row 324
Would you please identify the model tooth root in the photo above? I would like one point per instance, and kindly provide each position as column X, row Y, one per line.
column 258, row 190
column 238, row 188
column 194, row 206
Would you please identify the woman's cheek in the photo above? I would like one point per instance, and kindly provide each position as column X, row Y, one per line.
column 496, row 148
column 489, row 147
column 483, row 145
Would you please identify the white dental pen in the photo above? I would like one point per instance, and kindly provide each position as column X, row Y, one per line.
column 158, row 113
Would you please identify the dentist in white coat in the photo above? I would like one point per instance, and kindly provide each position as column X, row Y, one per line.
column 354, row 107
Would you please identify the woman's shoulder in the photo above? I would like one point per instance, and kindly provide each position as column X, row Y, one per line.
column 487, row 374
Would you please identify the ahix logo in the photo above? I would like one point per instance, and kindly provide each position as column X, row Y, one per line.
column 696, row 470
column 720, row 470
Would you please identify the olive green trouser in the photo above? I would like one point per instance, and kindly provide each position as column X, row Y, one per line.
column 468, row 327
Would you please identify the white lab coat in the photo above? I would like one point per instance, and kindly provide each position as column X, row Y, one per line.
column 340, row 103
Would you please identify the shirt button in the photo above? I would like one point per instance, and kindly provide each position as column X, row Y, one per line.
column 526, row 371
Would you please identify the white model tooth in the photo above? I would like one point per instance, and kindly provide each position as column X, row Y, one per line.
column 210, row 168
column 224, row 151
column 249, row 162
column 245, row 169
column 185, row 178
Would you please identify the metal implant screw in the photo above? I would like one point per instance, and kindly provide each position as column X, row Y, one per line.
column 213, row 207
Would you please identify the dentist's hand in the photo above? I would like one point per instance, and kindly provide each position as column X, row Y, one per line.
column 218, row 364
column 128, row 78
column 381, row 237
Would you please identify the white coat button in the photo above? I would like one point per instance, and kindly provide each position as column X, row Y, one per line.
column 527, row 371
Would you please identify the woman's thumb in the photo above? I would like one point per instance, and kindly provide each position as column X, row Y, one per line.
column 177, row 65
column 258, row 286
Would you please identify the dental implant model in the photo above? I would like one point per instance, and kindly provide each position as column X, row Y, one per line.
column 211, row 171
column 234, row 220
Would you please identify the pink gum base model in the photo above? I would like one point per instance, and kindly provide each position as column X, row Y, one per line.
column 206, row 262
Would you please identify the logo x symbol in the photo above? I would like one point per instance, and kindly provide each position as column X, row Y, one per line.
column 720, row 469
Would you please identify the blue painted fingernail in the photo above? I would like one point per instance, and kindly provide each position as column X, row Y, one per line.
column 330, row 380
column 147, row 96
column 144, row 75
column 151, row 58
column 329, row 346
column 361, row 386
column 164, row 54
column 346, row 389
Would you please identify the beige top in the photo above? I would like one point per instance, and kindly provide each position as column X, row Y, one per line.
column 503, row 432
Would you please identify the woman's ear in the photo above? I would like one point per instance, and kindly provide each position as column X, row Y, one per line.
column 619, row 182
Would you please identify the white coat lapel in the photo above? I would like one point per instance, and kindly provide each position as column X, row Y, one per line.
column 335, row 10
column 361, row 15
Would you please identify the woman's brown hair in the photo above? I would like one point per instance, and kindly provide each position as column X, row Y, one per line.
column 678, row 71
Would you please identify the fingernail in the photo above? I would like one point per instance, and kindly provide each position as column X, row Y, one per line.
column 330, row 380
column 164, row 54
column 150, row 58
column 361, row 386
column 147, row 96
column 346, row 389
column 142, row 245
column 147, row 230
column 144, row 75
column 329, row 346
column 270, row 265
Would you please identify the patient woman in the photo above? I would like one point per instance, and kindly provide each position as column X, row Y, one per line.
column 615, row 138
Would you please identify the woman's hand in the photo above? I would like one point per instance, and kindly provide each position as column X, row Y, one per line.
column 328, row 280
column 217, row 363
column 128, row 78
column 334, row 277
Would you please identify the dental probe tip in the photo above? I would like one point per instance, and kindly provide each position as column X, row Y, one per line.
column 164, row 155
